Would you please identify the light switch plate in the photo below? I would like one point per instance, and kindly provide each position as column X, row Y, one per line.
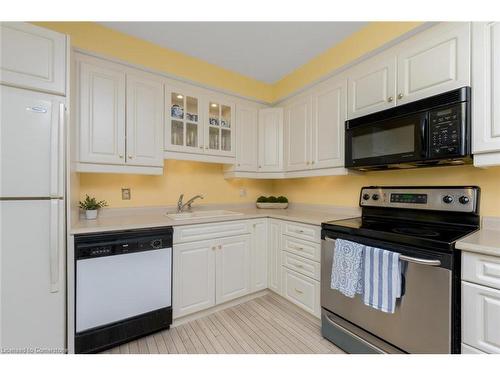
column 243, row 192
column 125, row 193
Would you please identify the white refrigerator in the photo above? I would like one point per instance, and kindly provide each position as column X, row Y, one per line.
column 32, row 222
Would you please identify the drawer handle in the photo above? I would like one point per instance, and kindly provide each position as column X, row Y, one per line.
column 298, row 291
column 298, row 248
column 297, row 265
column 299, row 231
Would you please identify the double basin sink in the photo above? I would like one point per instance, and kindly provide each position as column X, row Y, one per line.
column 201, row 214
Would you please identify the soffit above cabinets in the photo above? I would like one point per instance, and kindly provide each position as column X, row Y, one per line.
column 265, row 51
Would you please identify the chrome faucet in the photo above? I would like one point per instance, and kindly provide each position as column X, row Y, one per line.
column 181, row 206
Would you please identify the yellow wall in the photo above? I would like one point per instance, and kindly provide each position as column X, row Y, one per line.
column 344, row 190
column 100, row 39
column 186, row 177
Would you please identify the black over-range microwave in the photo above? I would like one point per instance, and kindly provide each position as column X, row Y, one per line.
column 427, row 132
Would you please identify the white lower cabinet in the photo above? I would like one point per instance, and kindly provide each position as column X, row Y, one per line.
column 301, row 290
column 259, row 254
column 274, row 255
column 481, row 317
column 232, row 268
column 193, row 277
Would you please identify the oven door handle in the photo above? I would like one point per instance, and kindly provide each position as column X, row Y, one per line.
column 424, row 262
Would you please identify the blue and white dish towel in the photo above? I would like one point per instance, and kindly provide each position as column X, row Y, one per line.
column 347, row 268
column 383, row 279
column 376, row 274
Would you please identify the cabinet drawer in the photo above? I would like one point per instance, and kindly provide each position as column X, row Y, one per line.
column 481, row 269
column 481, row 317
column 199, row 232
column 302, row 231
column 302, row 265
column 301, row 290
column 302, row 248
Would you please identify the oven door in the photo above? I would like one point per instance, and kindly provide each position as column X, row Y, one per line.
column 379, row 144
column 420, row 324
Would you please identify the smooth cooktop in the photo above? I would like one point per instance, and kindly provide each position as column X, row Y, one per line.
column 411, row 233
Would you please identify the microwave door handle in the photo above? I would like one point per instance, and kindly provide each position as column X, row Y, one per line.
column 424, row 137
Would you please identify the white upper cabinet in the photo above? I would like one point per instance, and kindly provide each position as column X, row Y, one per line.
column 119, row 113
column 219, row 128
column 329, row 115
column 434, row 61
column 298, row 134
column 485, row 92
column 144, row 120
column 271, row 140
column 372, row 85
column 32, row 57
column 184, row 129
column 247, row 139
column 101, row 111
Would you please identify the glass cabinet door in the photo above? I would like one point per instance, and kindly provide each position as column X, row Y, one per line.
column 219, row 127
column 184, row 120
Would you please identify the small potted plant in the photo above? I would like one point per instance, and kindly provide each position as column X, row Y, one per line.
column 90, row 206
column 272, row 202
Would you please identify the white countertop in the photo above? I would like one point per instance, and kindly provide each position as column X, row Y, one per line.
column 124, row 219
column 484, row 241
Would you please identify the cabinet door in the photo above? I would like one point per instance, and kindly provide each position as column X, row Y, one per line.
column 183, row 127
column 271, row 140
column 274, row 256
column 297, row 134
column 247, row 139
column 329, row 115
column 481, row 317
column 372, row 85
column 33, row 268
column 434, row 61
column 219, row 134
column 144, row 121
column 232, row 279
column 486, row 88
column 32, row 57
column 259, row 255
column 194, row 277
column 101, row 111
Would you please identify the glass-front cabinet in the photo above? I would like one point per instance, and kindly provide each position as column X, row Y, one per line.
column 220, row 135
column 183, row 129
column 198, row 124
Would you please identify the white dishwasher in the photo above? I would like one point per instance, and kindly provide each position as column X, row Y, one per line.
column 123, row 286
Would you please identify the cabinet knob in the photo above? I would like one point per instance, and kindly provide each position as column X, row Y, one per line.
column 312, row 162
column 220, row 247
column 213, row 248
column 390, row 99
column 130, row 156
column 239, row 164
column 307, row 163
column 400, row 95
column 120, row 156
column 260, row 166
column 201, row 147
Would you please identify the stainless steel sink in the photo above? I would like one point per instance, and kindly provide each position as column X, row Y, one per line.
column 201, row 214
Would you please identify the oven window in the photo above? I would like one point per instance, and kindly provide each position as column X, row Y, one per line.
column 376, row 141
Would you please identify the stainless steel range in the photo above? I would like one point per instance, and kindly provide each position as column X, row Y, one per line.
column 422, row 224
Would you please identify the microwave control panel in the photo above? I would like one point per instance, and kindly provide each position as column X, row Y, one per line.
column 445, row 132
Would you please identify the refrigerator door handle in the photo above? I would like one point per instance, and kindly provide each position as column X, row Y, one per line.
column 55, row 243
column 57, row 154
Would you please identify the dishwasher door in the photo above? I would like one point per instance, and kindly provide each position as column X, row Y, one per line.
column 422, row 322
column 116, row 287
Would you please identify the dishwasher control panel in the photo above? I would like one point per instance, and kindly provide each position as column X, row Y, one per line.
column 125, row 242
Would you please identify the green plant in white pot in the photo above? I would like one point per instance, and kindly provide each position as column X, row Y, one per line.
column 90, row 206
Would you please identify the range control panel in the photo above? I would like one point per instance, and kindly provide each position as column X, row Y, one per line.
column 445, row 131
column 459, row 199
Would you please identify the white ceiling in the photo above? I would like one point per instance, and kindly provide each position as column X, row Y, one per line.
column 266, row 51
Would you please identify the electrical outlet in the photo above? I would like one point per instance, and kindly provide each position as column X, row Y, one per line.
column 125, row 193
column 243, row 192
